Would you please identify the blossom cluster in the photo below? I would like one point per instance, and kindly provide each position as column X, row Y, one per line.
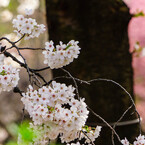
column 92, row 133
column 27, row 26
column 9, row 77
column 140, row 140
column 61, row 55
column 55, row 111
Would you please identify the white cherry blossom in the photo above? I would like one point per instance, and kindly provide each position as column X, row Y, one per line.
column 9, row 77
column 27, row 26
column 62, row 55
column 48, row 106
column 28, row 12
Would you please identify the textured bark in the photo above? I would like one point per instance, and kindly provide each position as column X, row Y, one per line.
column 101, row 28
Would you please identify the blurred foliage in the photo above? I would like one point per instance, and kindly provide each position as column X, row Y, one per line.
column 25, row 132
column 12, row 128
column 13, row 6
column 6, row 27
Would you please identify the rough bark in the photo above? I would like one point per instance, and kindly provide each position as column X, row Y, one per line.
column 101, row 28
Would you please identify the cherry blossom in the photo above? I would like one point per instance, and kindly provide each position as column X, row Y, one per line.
column 28, row 12
column 125, row 142
column 27, row 26
column 9, row 77
column 62, row 55
column 55, row 111
column 140, row 140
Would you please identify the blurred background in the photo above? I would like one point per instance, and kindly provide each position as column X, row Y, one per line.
column 10, row 104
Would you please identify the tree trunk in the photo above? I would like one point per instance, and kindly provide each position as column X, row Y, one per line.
column 101, row 29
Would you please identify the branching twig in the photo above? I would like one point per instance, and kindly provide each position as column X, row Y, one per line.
column 19, row 39
column 87, row 136
column 28, row 48
column 41, row 69
column 34, row 73
column 7, row 54
column 17, row 90
column 108, row 80
column 75, row 83
column 119, row 121
column 5, row 38
column 98, row 116
column 25, row 63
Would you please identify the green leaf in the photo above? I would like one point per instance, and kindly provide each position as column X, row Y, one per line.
column 139, row 14
column 68, row 46
column 26, row 132
column 3, row 73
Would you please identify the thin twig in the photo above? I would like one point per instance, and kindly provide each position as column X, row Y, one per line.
column 36, row 78
column 7, row 54
column 35, row 73
column 41, row 69
column 25, row 63
column 75, row 83
column 98, row 116
column 119, row 121
column 108, row 80
column 87, row 136
column 19, row 39
column 5, row 38
column 17, row 90
column 28, row 48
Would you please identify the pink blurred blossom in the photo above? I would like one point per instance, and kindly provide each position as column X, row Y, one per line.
column 135, row 6
column 136, row 33
column 141, row 110
column 139, row 90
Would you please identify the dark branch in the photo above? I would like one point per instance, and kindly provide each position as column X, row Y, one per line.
column 7, row 54
column 27, row 48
